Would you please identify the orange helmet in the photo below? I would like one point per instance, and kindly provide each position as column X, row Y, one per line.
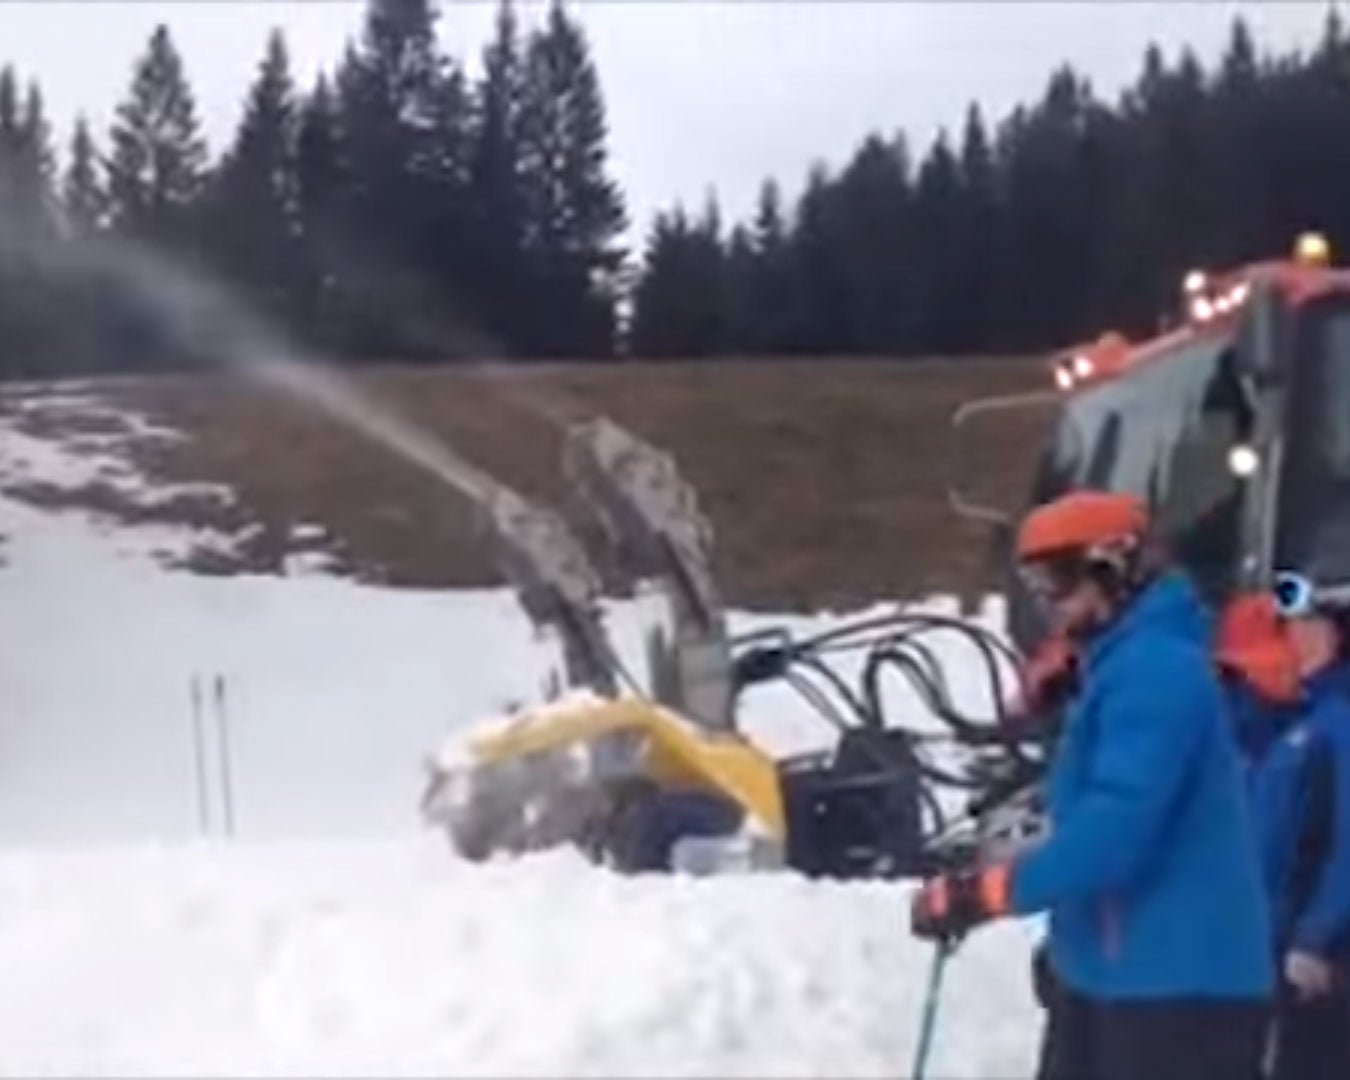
column 1080, row 522
column 1253, row 642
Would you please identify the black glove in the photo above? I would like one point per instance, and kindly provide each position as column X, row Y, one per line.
column 950, row 905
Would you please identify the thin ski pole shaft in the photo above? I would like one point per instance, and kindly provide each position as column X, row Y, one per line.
column 199, row 752
column 928, row 1024
column 223, row 734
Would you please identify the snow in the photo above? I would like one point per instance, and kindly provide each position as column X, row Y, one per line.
column 389, row 958
column 331, row 934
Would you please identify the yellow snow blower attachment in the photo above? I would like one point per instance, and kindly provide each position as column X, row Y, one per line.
column 592, row 770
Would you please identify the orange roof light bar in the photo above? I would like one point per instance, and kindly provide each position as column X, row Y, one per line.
column 1210, row 304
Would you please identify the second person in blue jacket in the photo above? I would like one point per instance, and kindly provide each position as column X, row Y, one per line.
column 1297, row 735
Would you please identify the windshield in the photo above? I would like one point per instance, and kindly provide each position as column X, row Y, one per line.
column 1315, row 494
column 1163, row 433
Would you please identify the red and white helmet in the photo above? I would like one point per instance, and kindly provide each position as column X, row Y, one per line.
column 1085, row 532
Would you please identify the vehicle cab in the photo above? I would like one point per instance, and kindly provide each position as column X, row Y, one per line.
column 1234, row 426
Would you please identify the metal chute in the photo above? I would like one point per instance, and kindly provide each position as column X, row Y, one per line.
column 650, row 517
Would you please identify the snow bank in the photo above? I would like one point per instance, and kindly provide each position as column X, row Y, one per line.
column 394, row 959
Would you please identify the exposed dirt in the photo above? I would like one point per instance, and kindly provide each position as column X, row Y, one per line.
column 825, row 480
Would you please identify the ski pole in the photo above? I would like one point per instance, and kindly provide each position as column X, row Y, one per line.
column 223, row 734
column 945, row 947
column 199, row 754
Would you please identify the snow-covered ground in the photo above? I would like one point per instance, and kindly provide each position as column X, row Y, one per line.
column 330, row 934
column 386, row 957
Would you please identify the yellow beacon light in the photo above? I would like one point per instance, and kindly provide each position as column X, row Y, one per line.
column 1312, row 249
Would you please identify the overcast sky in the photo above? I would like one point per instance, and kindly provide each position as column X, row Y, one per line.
column 700, row 93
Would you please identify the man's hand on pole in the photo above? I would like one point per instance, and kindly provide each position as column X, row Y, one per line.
column 949, row 906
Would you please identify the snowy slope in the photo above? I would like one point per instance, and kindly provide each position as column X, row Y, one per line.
column 332, row 936
column 333, row 691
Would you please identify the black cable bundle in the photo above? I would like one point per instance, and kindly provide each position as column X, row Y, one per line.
column 895, row 643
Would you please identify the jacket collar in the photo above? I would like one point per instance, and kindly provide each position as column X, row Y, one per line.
column 1168, row 605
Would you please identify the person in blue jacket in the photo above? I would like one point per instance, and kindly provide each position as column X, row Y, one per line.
column 1159, row 927
column 1298, row 743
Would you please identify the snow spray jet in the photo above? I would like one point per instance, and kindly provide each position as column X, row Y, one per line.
column 430, row 318
column 203, row 319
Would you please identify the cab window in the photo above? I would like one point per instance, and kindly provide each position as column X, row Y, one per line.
column 1164, row 433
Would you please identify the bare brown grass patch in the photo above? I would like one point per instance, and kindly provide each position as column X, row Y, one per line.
column 825, row 480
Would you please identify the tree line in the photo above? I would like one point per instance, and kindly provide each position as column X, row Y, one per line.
column 395, row 209
column 1068, row 216
column 400, row 208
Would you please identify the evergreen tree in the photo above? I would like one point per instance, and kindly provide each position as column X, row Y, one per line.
column 254, row 204
column 976, row 257
column 1328, row 111
column 1239, row 72
column 770, row 285
column 11, row 150
column 739, row 266
column 82, row 196
column 875, row 252
column 659, row 319
column 1238, row 131
column 402, row 114
column 36, row 161
column 710, row 285
column 821, row 299
column 1131, row 254
column 15, row 271
column 11, row 122
column 37, row 317
column 158, row 154
column 26, row 161
column 321, row 191
column 573, row 209
column 496, row 186
column 1176, row 162
column 680, row 302
column 938, row 218
column 389, row 88
column 1045, row 259
column 770, row 228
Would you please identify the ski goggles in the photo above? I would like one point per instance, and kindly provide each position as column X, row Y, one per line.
column 1052, row 579
column 1294, row 595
